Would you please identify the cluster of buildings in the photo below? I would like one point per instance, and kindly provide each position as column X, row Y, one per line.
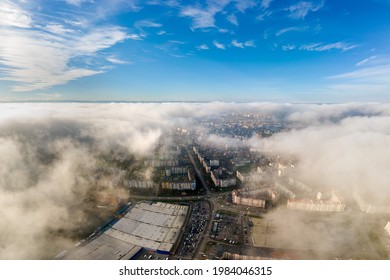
column 176, row 175
column 223, row 178
column 108, row 176
column 139, row 184
column 244, row 125
column 162, row 161
column 178, row 178
column 219, row 171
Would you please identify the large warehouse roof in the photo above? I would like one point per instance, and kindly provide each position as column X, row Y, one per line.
column 153, row 226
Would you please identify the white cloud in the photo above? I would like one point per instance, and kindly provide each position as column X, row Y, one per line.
column 377, row 73
column 78, row 2
column 289, row 47
column 232, row 19
column 250, row 43
column 320, row 47
column 201, row 18
column 303, row 8
column 266, row 3
column 237, row 44
column 134, row 36
column 204, row 17
column 289, row 29
column 243, row 5
column 374, row 60
column 169, row 3
column 373, row 80
column 58, row 29
column 99, row 39
column 365, row 61
column 263, row 15
column 202, row 47
column 115, row 60
column 35, row 59
column 12, row 15
column 370, row 60
column 219, row 45
column 147, row 23
column 223, row 30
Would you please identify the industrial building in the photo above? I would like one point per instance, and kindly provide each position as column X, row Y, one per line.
column 152, row 226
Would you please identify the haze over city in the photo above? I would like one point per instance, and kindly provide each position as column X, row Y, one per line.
column 213, row 129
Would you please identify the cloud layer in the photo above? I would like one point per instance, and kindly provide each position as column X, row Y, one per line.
column 38, row 53
column 48, row 151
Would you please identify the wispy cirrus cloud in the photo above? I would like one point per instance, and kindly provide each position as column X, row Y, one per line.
column 37, row 56
column 303, row 8
column 250, row 43
column 290, row 29
column 13, row 15
column 266, row 3
column 202, row 47
column 265, row 11
column 289, row 47
column 78, row 2
column 372, row 79
column 374, row 60
column 237, row 44
column 376, row 73
column 200, row 18
column 321, row 47
column 232, row 19
column 115, row 60
column 366, row 60
column 243, row 5
column 242, row 45
column 219, row 45
column 204, row 16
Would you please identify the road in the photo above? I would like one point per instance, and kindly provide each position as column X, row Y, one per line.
column 198, row 172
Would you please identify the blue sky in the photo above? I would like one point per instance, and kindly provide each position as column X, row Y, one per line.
column 177, row 50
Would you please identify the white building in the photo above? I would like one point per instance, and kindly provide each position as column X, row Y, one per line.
column 387, row 228
column 247, row 201
column 334, row 204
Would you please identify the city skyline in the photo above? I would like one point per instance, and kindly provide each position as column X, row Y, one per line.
column 226, row 50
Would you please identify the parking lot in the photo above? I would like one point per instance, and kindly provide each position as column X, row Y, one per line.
column 227, row 228
column 199, row 216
